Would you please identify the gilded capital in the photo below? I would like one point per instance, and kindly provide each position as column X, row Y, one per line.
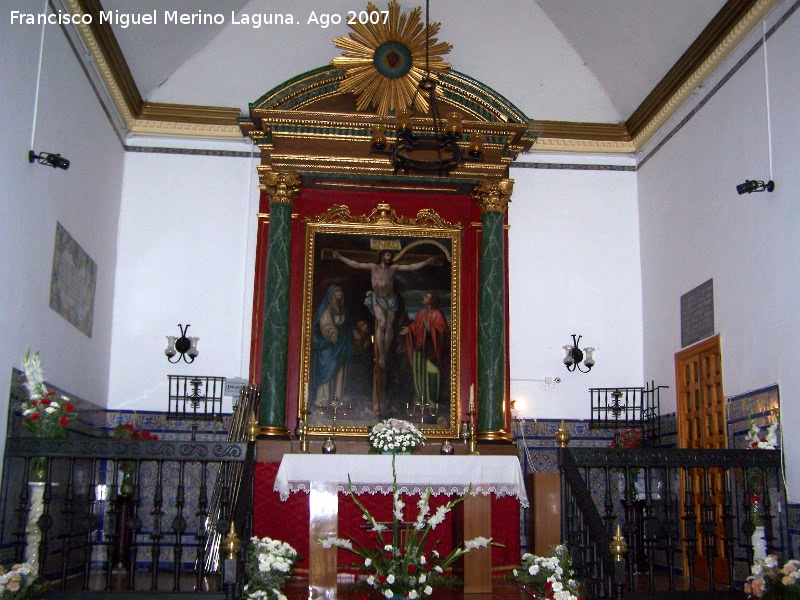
column 282, row 188
column 493, row 196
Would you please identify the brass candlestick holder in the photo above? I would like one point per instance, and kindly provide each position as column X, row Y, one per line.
column 472, row 443
column 302, row 430
column 329, row 447
column 303, row 437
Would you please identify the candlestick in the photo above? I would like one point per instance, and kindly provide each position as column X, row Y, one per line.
column 472, row 445
column 305, row 395
column 471, row 398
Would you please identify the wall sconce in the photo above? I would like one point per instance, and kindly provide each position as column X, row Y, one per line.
column 575, row 356
column 181, row 346
column 51, row 160
column 751, row 185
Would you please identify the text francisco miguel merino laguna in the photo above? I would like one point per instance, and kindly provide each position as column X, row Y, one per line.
column 168, row 17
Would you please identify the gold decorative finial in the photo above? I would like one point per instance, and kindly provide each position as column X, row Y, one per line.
column 618, row 546
column 562, row 436
column 232, row 544
column 252, row 429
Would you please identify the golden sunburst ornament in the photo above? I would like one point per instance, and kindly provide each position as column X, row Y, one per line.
column 386, row 61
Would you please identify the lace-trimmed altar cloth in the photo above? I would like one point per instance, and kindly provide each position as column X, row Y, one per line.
column 372, row 474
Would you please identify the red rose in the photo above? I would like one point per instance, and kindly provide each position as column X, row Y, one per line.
column 128, row 426
column 69, row 407
column 34, row 416
column 402, row 550
column 34, row 402
column 412, row 569
column 388, row 556
column 64, row 421
column 382, row 579
column 46, row 401
column 154, row 437
column 548, row 585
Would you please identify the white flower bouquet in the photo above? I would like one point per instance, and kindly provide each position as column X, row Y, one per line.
column 548, row 576
column 402, row 563
column 395, row 436
column 762, row 439
column 20, row 583
column 269, row 564
column 770, row 581
column 44, row 413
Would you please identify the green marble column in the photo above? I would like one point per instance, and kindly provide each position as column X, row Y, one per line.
column 493, row 199
column 282, row 188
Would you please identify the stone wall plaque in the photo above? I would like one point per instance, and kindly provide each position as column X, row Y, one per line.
column 73, row 282
column 697, row 314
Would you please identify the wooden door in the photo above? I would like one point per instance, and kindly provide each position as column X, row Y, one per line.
column 701, row 421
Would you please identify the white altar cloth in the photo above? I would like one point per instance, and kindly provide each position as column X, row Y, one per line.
column 371, row 474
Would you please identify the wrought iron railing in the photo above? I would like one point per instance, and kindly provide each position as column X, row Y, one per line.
column 687, row 517
column 90, row 529
column 628, row 407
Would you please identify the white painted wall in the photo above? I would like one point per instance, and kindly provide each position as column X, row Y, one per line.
column 166, row 278
column 186, row 255
column 694, row 227
column 574, row 269
column 85, row 199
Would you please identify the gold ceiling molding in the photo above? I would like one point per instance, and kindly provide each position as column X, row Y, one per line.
column 139, row 116
column 583, row 146
column 108, row 60
column 732, row 28
column 186, row 120
column 722, row 35
column 189, row 113
column 184, row 130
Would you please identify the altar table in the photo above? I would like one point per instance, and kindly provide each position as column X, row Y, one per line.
column 324, row 477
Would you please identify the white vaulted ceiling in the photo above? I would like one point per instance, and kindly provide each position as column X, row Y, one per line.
column 578, row 61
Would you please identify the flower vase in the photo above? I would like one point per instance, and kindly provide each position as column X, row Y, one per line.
column 33, row 535
column 126, row 482
column 38, row 472
column 121, row 550
column 759, row 543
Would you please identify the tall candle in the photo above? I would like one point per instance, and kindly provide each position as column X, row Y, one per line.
column 471, row 397
column 306, row 395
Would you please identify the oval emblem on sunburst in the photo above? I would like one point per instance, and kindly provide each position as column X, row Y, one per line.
column 392, row 60
column 385, row 61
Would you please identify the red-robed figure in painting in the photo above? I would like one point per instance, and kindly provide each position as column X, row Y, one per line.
column 426, row 340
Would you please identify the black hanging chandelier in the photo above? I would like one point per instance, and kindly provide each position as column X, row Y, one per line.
column 436, row 153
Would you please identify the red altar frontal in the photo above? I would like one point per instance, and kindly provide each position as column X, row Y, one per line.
column 284, row 509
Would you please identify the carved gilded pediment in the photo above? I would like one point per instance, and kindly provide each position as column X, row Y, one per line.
column 383, row 214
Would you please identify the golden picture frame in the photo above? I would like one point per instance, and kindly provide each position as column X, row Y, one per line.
column 381, row 321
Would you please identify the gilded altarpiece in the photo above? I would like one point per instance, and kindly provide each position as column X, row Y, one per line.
column 442, row 227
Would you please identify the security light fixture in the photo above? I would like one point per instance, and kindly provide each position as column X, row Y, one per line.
column 752, row 185
column 51, row 160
